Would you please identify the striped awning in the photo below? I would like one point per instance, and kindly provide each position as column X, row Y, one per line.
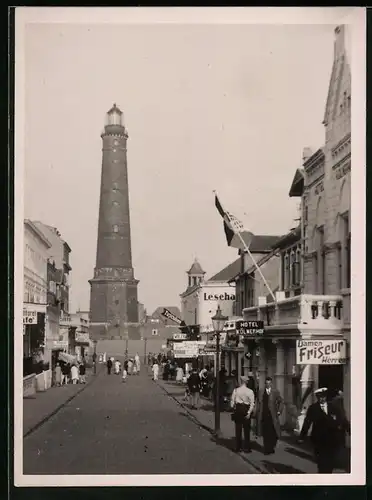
column 67, row 358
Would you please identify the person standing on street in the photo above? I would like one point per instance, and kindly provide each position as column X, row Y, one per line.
column 82, row 373
column 65, row 373
column 242, row 403
column 58, row 375
column 130, row 366
column 329, row 427
column 137, row 362
column 109, row 366
column 74, row 374
column 193, row 383
column 117, row 367
column 155, row 371
column 269, row 409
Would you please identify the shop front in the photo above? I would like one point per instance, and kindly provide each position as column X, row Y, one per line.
column 33, row 339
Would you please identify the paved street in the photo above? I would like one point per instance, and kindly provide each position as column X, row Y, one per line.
column 111, row 427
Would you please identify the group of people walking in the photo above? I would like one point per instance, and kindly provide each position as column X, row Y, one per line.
column 65, row 373
column 131, row 366
column 326, row 418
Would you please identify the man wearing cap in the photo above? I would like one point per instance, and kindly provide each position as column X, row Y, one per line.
column 242, row 403
column 269, row 409
column 329, row 425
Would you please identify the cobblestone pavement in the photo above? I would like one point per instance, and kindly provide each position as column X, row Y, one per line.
column 111, row 427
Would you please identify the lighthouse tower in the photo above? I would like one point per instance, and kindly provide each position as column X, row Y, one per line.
column 113, row 299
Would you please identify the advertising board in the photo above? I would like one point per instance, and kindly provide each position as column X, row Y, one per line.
column 321, row 352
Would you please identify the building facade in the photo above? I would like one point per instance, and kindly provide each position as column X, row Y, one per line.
column 113, row 301
column 306, row 343
column 35, row 288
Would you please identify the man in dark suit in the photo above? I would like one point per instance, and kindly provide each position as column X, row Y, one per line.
column 329, row 425
column 269, row 408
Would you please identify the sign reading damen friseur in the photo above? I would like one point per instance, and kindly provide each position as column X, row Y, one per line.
column 250, row 327
column 321, row 352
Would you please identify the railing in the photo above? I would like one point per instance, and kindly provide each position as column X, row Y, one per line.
column 303, row 311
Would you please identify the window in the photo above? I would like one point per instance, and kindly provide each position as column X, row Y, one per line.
column 321, row 261
column 347, row 245
column 339, row 267
column 315, row 273
column 282, row 272
column 115, row 228
column 194, row 280
column 286, row 271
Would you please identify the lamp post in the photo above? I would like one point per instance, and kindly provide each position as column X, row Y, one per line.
column 218, row 321
column 95, row 357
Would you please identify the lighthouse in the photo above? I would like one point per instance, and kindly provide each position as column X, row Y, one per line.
column 113, row 297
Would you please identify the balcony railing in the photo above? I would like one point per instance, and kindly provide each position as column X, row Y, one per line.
column 304, row 313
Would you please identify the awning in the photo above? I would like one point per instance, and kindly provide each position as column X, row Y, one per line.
column 67, row 358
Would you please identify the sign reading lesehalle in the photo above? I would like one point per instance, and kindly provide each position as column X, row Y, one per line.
column 321, row 352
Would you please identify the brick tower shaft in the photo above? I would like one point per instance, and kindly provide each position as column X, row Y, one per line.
column 113, row 302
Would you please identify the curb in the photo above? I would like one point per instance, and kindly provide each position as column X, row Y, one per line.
column 59, row 407
column 196, row 421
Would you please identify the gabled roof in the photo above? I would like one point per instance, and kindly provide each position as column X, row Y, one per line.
column 189, row 289
column 297, row 187
column 228, row 272
column 196, row 268
column 262, row 243
column 288, row 239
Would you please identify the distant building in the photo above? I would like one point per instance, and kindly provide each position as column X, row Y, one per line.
column 35, row 290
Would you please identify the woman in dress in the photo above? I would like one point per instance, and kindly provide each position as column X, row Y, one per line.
column 74, row 374
column 179, row 374
column 155, row 370
column 58, row 375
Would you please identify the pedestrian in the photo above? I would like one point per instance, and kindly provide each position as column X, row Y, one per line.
column 82, row 373
column 74, row 374
column 65, row 373
column 58, row 375
column 117, row 367
column 193, row 383
column 130, row 366
column 155, row 370
column 269, row 408
column 329, row 427
column 179, row 375
column 137, row 362
column 134, row 369
column 109, row 366
column 242, row 404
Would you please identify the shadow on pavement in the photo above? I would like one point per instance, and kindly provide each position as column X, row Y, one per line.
column 299, row 453
column 277, row 468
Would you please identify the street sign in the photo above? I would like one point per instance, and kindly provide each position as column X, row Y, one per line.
column 321, row 352
column 171, row 316
column 248, row 328
column 29, row 317
column 179, row 336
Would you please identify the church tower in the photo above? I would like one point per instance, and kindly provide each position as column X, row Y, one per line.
column 195, row 274
column 113, row 298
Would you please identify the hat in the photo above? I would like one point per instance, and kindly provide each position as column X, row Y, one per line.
column 320, row 391
column 244, row 379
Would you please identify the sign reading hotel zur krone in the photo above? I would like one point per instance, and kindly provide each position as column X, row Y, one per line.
column 250, row 327
column 321, row 352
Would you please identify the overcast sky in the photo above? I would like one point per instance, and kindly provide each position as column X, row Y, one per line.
column 225, row 107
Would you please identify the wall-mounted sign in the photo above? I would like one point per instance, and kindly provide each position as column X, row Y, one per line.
column 321, row 352
column 179, row 336
column 29, row 317
column 218, row 296
column 248, row 328
column 188, row 349
column 59, row 344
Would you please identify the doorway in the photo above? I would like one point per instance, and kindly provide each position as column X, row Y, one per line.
column 331, row 377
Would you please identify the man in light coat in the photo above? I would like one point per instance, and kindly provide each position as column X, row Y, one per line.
column 269, row 408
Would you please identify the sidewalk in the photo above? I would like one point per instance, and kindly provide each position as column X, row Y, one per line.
column 289, row 458
column 43, row 405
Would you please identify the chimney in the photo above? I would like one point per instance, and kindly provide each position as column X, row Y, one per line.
column 306, row 154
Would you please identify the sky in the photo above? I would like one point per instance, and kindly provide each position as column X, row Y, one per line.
column 207, row 107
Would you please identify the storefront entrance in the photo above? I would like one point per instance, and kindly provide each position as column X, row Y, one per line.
column 331, row 377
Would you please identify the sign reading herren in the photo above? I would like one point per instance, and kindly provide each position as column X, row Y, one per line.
column 248, row 328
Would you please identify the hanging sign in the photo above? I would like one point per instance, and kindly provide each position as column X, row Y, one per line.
column 188, row 349
column 179, row 336
column 168, row 314
column 248, row 328
column 321, row 352
column 29, row 317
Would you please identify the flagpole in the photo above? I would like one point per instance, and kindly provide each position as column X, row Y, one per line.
column 247, row 250
column 256, row 265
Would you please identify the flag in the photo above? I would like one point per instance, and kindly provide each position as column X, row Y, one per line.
column 233, row 228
